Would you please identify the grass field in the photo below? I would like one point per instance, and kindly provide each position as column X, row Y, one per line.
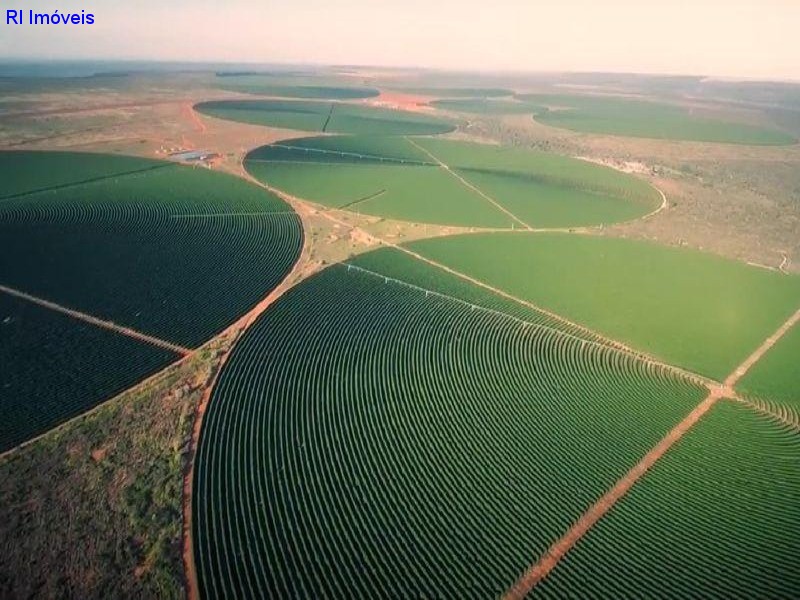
column 686, row 307
column 397, row 178
column 717, row 517
column 172, row 252
column 775, row 377
column 641, row 118
column 399, row 443
column 325, row 117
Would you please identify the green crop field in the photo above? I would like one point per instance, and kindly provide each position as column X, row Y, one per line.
column 717, row 517
column 641, row 118
column 409, row 443
column 267, row 86
column 547, row 190
column 172, row 252
column 330, row 117
column 55, row 367
column 776, row 377
column 455, row 92
column 686, row 307
column 486, row 106
column 395, row 178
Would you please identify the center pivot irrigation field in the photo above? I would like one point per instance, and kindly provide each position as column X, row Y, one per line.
column 326, row 117
column 642, row 118
column 371, row 438
column 269, row 87
column 716, row 518
column 112, row 267
column 688, row 308
column 451, row 183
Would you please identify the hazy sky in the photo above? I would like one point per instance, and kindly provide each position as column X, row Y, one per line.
column 748, row 38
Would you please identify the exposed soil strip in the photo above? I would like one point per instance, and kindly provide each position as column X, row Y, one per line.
column 73, row 184
column 557, row 551
column 328, row 120
column 362, row 200
column 142, row 337
column 469, row 186
column 190, row 569
column 784, row 263
column 194, row 117
column 742, row 369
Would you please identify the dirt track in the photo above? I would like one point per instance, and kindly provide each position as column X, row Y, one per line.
column 471, row 187
column 192, row 586
column 557, row 551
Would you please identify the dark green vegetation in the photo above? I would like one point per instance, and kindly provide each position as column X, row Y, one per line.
column 686, row 307
column 400, row 179
column 643, row 118
column 93, row 509
column 486, row 106
column 169, row 251
column 455, row 92
column 776, row 377
column 718, row 517
column 54, row 367
column 331, row 117
column 281, row 87
column 367, row 438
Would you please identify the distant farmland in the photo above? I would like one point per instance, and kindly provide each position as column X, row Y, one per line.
column 486, row 106
column 166, row 251
column 455, row 92
column 328, row 117
column 641, row 118
column 261, row 87
column 492, row 187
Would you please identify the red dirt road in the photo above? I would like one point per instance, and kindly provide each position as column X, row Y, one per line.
column 557, row 551
column 537, row 572
column 192, row 586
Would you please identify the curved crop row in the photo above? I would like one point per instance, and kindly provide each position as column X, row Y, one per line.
column 716, row 518
column 369, row 439
column 171, row 252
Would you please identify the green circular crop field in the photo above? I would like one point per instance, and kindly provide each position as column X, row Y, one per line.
column 640, row 118
column 327, row 117
column 171, row 252
column 370, row 438
column 482, row 186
